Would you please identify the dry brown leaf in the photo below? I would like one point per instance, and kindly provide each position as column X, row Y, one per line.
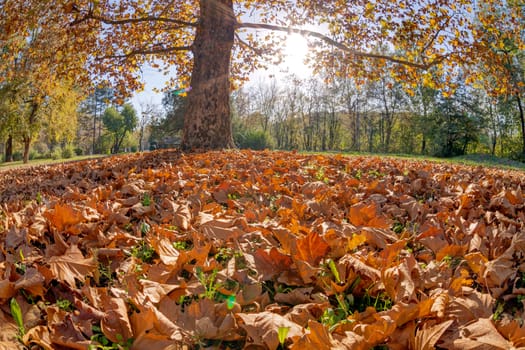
column 478, row 334
column 72, row 265
column 32, row 281
column 7, row 289
column 263, row 328
column 264, row 223
column 316, row 337
column 427, row 338
column 271, row 263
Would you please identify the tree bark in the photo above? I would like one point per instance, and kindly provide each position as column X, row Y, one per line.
column 27, row 146
column 207, row 121
column 522, row 122
column 9, row 149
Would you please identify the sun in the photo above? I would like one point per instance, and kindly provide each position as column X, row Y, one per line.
column 295, row 51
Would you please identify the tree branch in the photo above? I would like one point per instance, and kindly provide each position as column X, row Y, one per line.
column 245, row 44
column 340, row 45
column 106, row 20
column 151, row 51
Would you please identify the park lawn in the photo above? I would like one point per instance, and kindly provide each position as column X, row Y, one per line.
column 228, row 249
column 46, row 161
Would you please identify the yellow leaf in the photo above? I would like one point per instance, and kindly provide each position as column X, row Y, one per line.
column 356, row 240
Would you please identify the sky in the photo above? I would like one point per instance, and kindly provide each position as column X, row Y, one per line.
column 294, row 54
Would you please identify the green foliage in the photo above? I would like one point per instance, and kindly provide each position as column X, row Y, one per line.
column 182, row 245
column 165, row 129
column 282, row 333
column 208, row 282
column 144, row 252
column 146, row 200
column 56, row 153
column 119, row 124
column 78, row 151
column 103, row 343
column 16, row 312
column 65, row 305
column 254, row 139
column 68, row 151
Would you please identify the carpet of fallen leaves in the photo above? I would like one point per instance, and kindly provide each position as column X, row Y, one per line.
column 242, row 249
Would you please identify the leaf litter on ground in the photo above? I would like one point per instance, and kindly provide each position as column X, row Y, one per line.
column 239, row 249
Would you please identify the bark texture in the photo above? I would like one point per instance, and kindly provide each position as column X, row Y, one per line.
column 207, row 121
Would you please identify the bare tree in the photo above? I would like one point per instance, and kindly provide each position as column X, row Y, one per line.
column 148, row 111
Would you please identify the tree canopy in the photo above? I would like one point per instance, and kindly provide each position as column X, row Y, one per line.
column 119, row 124
column 213, row 44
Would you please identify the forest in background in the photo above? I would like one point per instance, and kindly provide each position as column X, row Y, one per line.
column 307, row 114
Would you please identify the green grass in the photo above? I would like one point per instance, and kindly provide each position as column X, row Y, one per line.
column 20, row 164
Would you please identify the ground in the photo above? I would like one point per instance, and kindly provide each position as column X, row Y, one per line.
column 270, row 249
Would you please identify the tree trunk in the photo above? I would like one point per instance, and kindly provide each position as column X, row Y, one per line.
column 141, row 137
column 522, row 122
column 27, row 146
column 207, row 123
column 9, row 149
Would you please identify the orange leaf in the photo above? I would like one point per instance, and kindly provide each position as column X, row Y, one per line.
column 271, row 263
column 451, row 251
column 311, row 249
column 362, row 214
column 64, row 216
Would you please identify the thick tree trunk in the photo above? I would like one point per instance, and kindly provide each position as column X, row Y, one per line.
column 207, row 123
column 9, row 149
column 522, row 122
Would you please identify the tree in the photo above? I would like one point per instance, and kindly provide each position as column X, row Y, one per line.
column 119, row 124
column 457, row 122
column 148, row 112
column 39, row 59
column 166, row 127
column 212, row 47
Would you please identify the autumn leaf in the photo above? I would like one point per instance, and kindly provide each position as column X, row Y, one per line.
column 72, row 265
column 427, row 338
column 272, row 273
column 479, row 333
column 361, row 214
column 271, row 263
column 63, row 217
column 32, row 281
column 316, row 337
column 311, row 249
column 263, row 328
column 115, row 325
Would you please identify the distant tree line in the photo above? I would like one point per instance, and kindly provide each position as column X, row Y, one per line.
column 381, row 116
column 330, row 113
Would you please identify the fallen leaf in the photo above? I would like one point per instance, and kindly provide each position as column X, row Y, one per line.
column 263, row 328
column 72, row 265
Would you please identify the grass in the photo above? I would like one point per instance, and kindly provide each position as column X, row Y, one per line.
column 20, row 164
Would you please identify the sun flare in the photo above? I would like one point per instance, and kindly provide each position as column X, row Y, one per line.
column 295, row 53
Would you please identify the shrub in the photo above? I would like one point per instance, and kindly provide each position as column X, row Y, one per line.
column 34, row 154
column 56, row 153
column 78, row 151
column 68, row 151
column 255, row 139
column 17, row 156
